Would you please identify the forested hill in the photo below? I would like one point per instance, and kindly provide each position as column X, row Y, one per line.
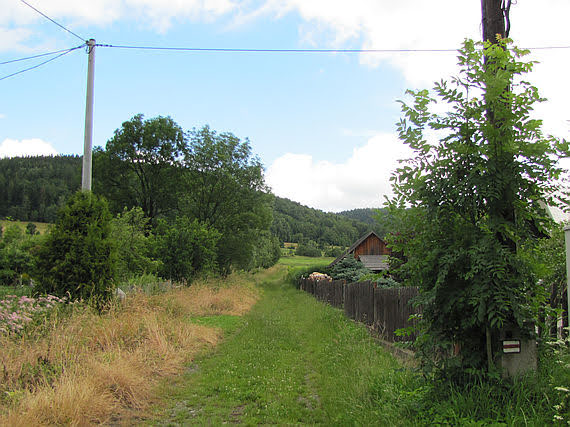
column 33, row 188
column 293, row 222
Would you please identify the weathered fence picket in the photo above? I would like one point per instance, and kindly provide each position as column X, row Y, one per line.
column 385, row 309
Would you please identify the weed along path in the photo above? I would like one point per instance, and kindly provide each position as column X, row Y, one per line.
column 291, row 359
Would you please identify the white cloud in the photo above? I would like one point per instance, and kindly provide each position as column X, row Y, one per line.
column 26, row 147
column 2, row 116
column 362, row 181
column 159, row 15
column 440, row 24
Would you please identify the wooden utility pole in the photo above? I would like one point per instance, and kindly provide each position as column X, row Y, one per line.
column 495, row 19
column 87, row 142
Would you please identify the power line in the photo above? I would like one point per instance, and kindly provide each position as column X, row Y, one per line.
column 56, row 23
column 42, row 63
column 33, row 57
column 241, row 50
column 252, row 50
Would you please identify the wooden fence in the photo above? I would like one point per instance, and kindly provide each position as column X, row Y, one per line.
column 383, row 309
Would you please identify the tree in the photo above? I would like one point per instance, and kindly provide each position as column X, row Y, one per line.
column 133, row 240
column 186, row 248
column 225, row 189
column 491, row 159
column 77, row 258
column 140, row 166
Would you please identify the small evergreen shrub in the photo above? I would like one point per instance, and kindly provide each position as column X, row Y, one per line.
column 77, row 258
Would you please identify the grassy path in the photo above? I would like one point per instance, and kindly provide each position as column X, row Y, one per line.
column 290, row 360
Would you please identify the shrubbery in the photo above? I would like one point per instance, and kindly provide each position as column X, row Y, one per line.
column 77, row 258
column 349, row 269
column 309, row 249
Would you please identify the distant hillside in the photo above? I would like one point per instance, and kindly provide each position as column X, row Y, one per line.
column 378, row 218
column 293, row 222
column 33, row 188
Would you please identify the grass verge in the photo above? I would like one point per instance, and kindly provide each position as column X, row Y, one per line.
column 80, row 367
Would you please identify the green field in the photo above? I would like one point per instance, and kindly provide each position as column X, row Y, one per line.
column 305, row 261
column 42, row 227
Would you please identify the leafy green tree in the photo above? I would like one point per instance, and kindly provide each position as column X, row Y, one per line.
column 308, row 248
column 474, row 192
column 266, row 250
column 140, row 166
column 186, row 248
column 133, row 244
column 77, row 258
column 225, row 189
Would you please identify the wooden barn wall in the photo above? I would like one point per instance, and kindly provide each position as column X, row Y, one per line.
column 371, row 246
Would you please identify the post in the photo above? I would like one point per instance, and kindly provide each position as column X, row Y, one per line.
column 87, row 141
column 567, row 239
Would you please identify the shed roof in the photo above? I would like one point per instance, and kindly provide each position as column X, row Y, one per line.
column 374, row 262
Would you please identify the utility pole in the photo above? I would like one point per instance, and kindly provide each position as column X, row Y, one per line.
column 494, row 13
column 87, row 142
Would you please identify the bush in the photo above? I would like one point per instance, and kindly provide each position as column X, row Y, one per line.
column 349, row 269
column 133, row 245
column 334, row 251
column 309, row 249
column 77, row 258
column 186, row 248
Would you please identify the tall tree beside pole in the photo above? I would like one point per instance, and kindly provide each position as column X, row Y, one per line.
column 87, row 142
column 496, row 25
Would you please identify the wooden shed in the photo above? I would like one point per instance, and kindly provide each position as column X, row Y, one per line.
column 371, row 250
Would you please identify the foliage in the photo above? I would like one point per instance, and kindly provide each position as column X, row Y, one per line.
column 185, row 248
column 349, row 269
column 139, row 166
column 16, row 260
column 547, row 257
column 293, row 222
column 334, row 251
column 475, row 194
column 224, row 188
column 266, row 250
column 34, row 188
column 133, row 244
column 77, row 258
column 308, row 248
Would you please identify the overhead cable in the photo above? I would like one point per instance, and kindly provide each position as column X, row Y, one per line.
column 33, row 57
column 42, row 63
column 56, row 23
column 252, row 50
column 212, row 49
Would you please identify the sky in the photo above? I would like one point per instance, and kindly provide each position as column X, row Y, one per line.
column 323, row 124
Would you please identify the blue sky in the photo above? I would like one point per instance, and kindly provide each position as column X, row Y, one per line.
column 323, row 124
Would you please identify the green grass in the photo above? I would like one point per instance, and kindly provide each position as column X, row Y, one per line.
column 305, row 261
column 293, row 360
column 42, row 227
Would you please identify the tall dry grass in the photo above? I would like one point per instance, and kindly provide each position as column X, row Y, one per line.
column 83, row 368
